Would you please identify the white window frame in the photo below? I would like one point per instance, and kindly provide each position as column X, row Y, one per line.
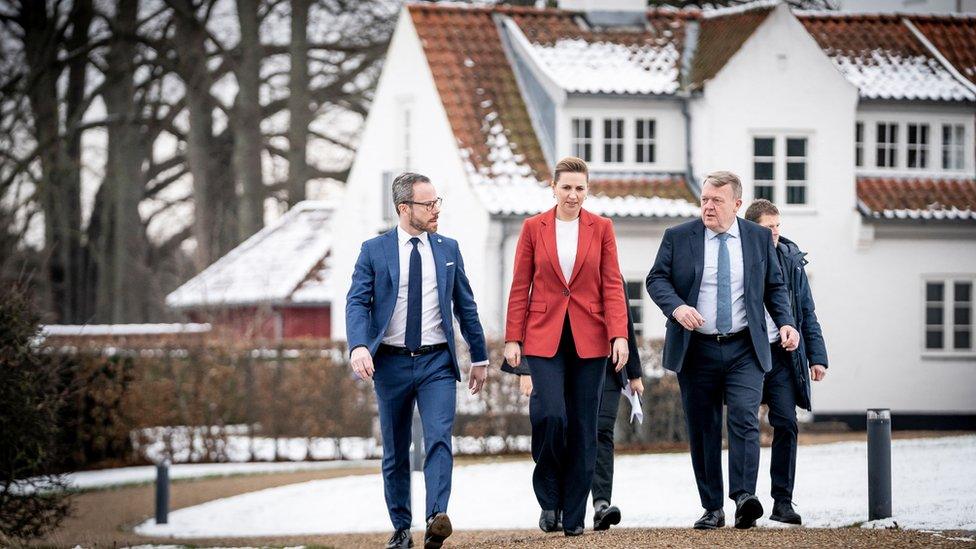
column 805, row 182
column 953, row 157
column 920, row 148
column 579, row 143
column 648, row 143
column 616, row 145
column 780, row 184
column 767, row 160
column 948, row 325
column 859, row 141
column 891, row 147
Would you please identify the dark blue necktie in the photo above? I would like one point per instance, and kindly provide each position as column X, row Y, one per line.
column 414, row 294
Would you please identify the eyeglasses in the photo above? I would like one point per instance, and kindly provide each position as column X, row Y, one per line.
column 429, row 205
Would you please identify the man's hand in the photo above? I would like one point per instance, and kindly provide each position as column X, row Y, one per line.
column 818, row 372
column 789, row 338
column 620, row 353
column 513, row 353
column 637, row 386
column 525, row 385
column 361, row 362
column 477, row 378
column 688, row 317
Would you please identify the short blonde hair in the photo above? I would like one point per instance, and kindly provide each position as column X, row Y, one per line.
column 722, row 178
column 571, row 164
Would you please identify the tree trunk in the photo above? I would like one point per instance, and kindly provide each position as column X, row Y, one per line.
column 248, row 141
column 299, row 103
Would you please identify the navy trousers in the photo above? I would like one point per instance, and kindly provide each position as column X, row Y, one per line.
column 428, row 380
column 563, row 412
column 714, row 372
column 609, row 404
column 779, row 393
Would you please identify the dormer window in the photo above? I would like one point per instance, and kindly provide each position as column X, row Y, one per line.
column 887, row 150
column 583, row 138
column 613, row 140
column 644, row 140
column 953, row 148
column 918, row 146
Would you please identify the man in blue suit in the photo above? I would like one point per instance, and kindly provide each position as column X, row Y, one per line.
column 711, row 278
column 407, row 287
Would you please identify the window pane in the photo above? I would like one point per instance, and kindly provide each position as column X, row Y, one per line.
column 934, row 291
column 634, row 289
column 912, row 159
column 762, row 146
column 962, row 340
column 859, row 131
column 882, row 133
column 796, row 195
column 858, row 156
column 796, row 147
column 608, row 152
column 933, row 339
column 933, row 315
column 961, row 316
column 796, row 171
column 764, row 191
column 762, row 171
column 912, row 133
column 882, row 156
column 963, row 291
column 651, row 153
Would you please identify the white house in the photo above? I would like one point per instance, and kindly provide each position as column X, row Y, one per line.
column 860, row 127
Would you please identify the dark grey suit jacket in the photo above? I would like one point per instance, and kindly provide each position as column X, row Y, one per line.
column 675, row 280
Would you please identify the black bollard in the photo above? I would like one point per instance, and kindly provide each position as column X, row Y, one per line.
column 879, row 463
column 162, row 492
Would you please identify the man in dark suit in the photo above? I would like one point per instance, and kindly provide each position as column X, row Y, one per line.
column 712, row 278
column 407, row 287
column 787, row 385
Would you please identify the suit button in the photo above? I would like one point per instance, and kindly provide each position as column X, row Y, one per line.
column 565, row 292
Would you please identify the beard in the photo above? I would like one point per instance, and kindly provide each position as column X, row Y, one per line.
column 424, row 226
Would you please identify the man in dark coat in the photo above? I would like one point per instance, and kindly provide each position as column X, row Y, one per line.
column 787, row 385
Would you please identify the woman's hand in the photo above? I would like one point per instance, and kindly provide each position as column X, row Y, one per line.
column 525, row 385
column 513, row 353
column 637, row 386
column 619, row 353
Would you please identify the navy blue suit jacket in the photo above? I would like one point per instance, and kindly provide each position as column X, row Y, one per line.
column 675, row 280
column 375, row 282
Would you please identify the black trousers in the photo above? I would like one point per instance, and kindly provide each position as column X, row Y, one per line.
column 563, row 412
column 713, row 372
column 609, row 404
column 779, row 393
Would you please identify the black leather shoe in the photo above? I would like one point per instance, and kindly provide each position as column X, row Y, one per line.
column 711, row 520
column 605, row 516
column 438, row 530
column 783, row 512
column 559, row 519
column 400, row 539
column 747, row 510
column 573, row 532
column 548, row 521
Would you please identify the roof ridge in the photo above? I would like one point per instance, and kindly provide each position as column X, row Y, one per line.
column 739, row 9
column 883, row 16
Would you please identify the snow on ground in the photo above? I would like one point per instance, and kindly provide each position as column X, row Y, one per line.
column 138, row 475
column 933, row 487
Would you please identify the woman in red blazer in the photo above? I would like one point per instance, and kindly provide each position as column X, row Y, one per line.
column 566, row 314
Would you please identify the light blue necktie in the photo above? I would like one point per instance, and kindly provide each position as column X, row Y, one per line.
column 723, row 314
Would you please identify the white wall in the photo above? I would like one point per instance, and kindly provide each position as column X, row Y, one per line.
column 406, row 83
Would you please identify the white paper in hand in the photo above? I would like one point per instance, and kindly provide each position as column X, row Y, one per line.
column 636, row 410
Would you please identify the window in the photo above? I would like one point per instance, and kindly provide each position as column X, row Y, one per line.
column 953, row 139
column 796, row 170
column 645, row 130
column 918, row 146
column 389, row 212
column 859, row 144
column 763, row 160
column 949, row 315
column 583, row 138
column 613, row 140
column 887, row 150
column 635, row 300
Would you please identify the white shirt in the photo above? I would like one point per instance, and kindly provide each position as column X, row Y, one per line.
column 567, row 240
column 431, row 331
column 772, row 332
column 708, row 292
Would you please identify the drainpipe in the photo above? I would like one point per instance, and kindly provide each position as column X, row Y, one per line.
column 684, row 93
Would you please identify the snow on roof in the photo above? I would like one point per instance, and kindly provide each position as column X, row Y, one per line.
column 917, row 198
column 578, row 65
column 80, row 330
column 268, row 267
column 711, row 12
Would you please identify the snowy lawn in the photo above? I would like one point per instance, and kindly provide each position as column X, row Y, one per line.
column 933, row 486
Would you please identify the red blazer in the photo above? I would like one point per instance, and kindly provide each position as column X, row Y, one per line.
column 540, row 295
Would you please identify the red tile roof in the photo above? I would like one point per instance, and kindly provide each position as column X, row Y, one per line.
column 662, row 186
column 719, row 39
column 917, row 198
column 955, row 38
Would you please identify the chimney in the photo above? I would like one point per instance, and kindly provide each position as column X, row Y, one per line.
column 610, row 13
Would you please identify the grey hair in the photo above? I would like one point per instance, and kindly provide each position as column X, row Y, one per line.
column 723, row 178
column 403, row 187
